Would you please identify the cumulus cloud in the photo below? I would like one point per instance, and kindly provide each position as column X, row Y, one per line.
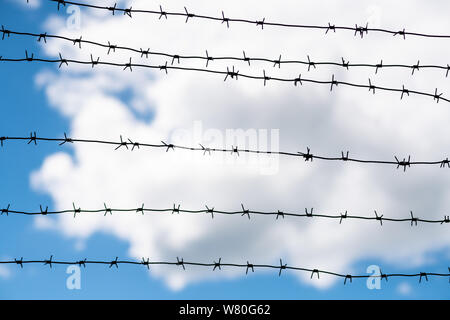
column 404, row 289
column 152, row 106
column 5, row 273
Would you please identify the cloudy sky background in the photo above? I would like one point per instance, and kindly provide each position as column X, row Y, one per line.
column 150, row 106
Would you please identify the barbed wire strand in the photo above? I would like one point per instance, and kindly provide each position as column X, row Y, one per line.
column 42, row 37
column 210, row 210
column 218, row 265
column 234, row 150
column 230, row 73
column 360, row 30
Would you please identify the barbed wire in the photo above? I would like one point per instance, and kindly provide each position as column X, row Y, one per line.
column 131, row 145
column 42, row 37
column 210, row 210
column 218, row 265
column 357, row 29
column 230, row 73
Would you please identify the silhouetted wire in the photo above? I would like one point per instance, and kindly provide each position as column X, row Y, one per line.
column 42, row 37
column 234, row 150
column 210, row 210
column 229, row 73
column 361, row 30
column 218, row 265
column 357, row 29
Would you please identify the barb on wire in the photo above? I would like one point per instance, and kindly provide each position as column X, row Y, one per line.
column 401, row 33
column 247, row 59
column 107, row 210
column 178, row 56
column 60, row 2
column 343, row 216
column 140, row 209
column 345, row 64
column 266, row 78
column 75, row 41
column 371, row 86
column 330, row 27
column 188, row 15
column 66, row 140
column 95, row 62
column 280, row 214
column 307, row 156
column 75, row 210
column 225, row 20
column 181, row 263
column 128, row 12
column 111, row 47
column 112, row 9
column 404, row 163
column 42, row 36
column 62, row 61
column 122, row 144
column 249, row 266
column 5, row 32
column 217, row 264
column 413, row 220
column 164, row 67
column 310, row 64
column 128, row 66
column 232, row 74
column 210, row 210
column 43, row 212
column 415, row 67
column 19, row 262
column 282, row 267
column 175, row 209
column 31, row 139
column 146, row 263
column 379, row 218
column 134, row 144
column 168, row 146
column 378, row 66
column 277, row 62
column 28, row 58
column 47, row 262
column 6, row 210
column 114, row 263
column 361, row 30
column 261, row 23
column 208, row 59
column 245, row 212
column 145, row 53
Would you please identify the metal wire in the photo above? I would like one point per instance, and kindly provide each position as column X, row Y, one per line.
column 209, row 210
column 230, row 73
column 218, row 265
column 130, row 144
column 42, row 37
column 360, row 30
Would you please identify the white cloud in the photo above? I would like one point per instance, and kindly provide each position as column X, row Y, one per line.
column 5, row 273
column 404, row 289
column 369, row 126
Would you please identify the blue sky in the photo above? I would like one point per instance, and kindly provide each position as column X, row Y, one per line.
column 25, row 108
